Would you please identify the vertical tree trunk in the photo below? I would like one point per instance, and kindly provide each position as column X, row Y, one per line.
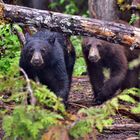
column 103, row 9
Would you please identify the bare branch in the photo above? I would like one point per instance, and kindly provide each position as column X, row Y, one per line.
column 20, row 35
column 29, row 89
column 123, row 127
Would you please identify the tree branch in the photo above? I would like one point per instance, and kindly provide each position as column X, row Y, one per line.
column 29, row 89
column 73, row 25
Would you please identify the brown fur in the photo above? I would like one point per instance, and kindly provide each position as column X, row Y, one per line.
column 116, row 58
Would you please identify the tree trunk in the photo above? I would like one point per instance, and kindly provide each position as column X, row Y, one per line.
column 73, row 25
column 103, row 9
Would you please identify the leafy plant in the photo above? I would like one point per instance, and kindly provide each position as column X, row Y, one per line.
column 93, row 117
column 134, row 18
column 81, row 128
column 47, row 98
column 28, row 122
column 9, row 47
column 128, row 95
column 70, row 7
column 80, row 65
column 100, row 117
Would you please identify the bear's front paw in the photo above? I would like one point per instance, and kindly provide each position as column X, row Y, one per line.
column 98, row 100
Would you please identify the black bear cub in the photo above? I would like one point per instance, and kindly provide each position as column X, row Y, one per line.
column 49, row 57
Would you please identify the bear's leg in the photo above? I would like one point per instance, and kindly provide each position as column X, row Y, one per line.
column 118, row 71
column 62, row 81
column 95, row 72
column 132, row 79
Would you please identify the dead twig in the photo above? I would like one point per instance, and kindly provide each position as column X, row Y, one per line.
column 20, row 35
column 77, row 105
column 29, row 89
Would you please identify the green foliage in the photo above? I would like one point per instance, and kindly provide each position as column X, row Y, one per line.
column 80, row 65
column 69, row 7
column 136, row 105
column 134, row 18
column 81, row 128
column 9, row 48
column 131, row 91
column 126, row 98
column 47, row 98
column 28, row 122
column 136, row 110
column 99, row 117
column 9, row 59
column 95, row 117
column 12, row 84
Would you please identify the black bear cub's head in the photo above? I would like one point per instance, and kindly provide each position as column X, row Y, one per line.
column 38, row 50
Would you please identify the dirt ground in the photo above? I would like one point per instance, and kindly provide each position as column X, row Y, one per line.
column 81, row 96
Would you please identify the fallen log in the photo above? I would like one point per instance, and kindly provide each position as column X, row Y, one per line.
column 73, row 25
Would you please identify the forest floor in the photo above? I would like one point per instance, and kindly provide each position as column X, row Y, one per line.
column 81, row 96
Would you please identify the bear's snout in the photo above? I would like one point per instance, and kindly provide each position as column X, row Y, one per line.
column 37, row 59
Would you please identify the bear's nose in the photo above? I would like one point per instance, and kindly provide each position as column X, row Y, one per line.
column 94, row 55
column 94, row 58
column 37, row 59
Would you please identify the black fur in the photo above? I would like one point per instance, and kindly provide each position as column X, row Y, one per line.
column 58, row 56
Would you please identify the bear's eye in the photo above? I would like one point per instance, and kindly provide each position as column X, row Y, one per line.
column 43, row 50
column 88, row 46
column 99, row 45
column 31, row 50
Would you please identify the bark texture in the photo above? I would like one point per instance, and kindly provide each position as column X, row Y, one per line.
column 73, row 25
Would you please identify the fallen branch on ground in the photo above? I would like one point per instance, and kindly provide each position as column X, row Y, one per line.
column 123, row 127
